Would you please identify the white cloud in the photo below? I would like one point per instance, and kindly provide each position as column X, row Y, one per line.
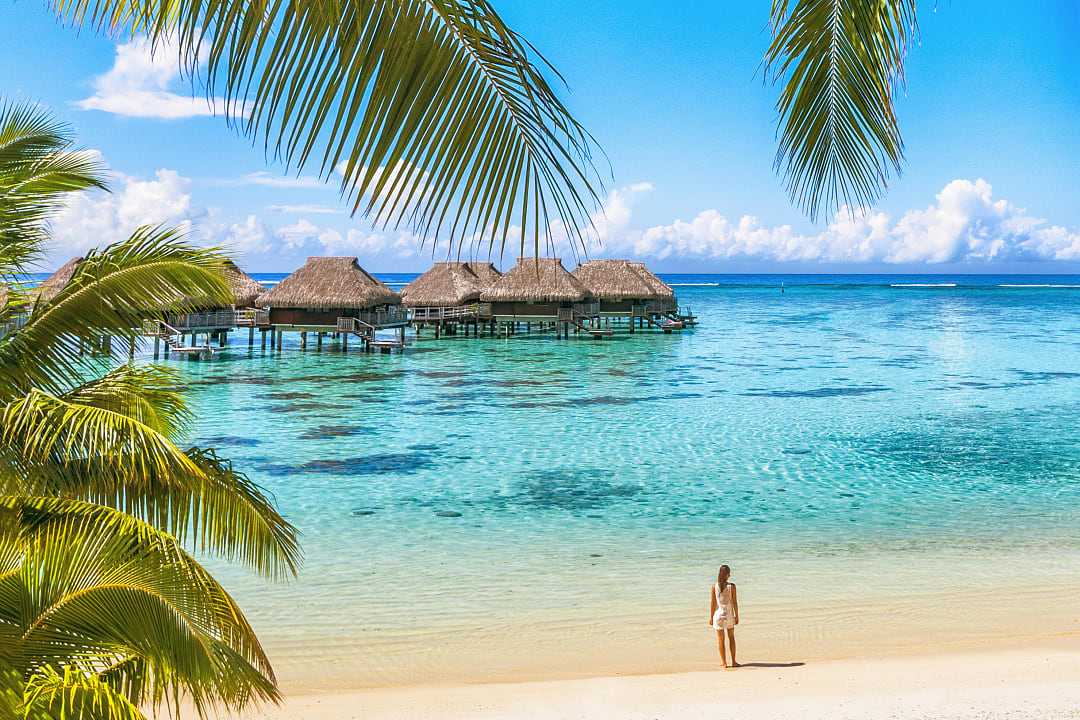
column 617, row 210
column 277, row 181
column 95, row 219
column 305, row 209
column 297, row 234
column 964, row 224
column 138, row 85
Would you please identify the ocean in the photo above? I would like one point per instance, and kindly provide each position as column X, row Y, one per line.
column 884, row 461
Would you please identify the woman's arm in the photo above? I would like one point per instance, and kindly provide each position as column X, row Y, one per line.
column 712, row 606
column 735, row 603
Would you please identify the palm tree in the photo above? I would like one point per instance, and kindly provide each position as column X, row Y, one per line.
column 103, row 608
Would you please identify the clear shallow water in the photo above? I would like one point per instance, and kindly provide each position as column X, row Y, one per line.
column 483, row 508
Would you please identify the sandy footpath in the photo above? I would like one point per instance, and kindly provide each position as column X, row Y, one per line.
column 1040, row 683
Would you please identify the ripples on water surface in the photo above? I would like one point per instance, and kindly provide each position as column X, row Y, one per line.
column 836, row 445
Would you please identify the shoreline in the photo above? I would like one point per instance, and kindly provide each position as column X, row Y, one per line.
column 1018, row 684
column 618, row 642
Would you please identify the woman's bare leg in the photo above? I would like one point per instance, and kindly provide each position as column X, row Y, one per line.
column 720, row 646
column 731, row 644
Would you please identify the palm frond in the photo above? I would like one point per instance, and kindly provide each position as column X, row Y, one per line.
column 840, row 62
column 73, row 693
column 147, row 394
column 438, row 115
column 118, row 599
column 38, row 169
column 55, row 446
column 111, row 293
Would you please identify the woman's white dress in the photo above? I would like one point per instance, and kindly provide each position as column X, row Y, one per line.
column 724, row 617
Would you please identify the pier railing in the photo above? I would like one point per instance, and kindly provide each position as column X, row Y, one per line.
column 200, row 320
column 456, row 312
column 586, row 309
column 390, row 315
column 252, row 317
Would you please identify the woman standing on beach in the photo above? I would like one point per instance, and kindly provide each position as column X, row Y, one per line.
column 724, row 614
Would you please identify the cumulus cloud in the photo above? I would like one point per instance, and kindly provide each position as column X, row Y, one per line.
column 964, row 224
column 266, row 179
column 304, row 209
column 138, row 85
column 95, row 219
column 306, row 235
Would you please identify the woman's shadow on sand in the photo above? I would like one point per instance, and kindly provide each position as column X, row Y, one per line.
column 771, row 664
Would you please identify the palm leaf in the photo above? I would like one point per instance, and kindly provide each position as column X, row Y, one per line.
column 38, row 169
column 438, row 115
column 118, row 599
column 839, row 61
column 111, row 293
column 57, row 446
column 73, row 693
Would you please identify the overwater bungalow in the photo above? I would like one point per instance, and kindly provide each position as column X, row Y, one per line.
column 445, row 296
column 335, row 295
column 619, row 288
column 663, row 299
column 664, row 305
column 539, row 291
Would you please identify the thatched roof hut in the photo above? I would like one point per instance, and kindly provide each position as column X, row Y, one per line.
column 245, row 289
column 537, row 280
column 486, row 272
column 51, row 286
column 446, row 284
column 613, row 280
column 329, row 283
column 660, row 289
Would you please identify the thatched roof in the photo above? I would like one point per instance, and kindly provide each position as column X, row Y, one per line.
column 331, row 283
column 245, row 289
column 613, row 280
column 51, row 286
column 486, row 272
column 660, row 288
column 537, row 280
column 446, row 284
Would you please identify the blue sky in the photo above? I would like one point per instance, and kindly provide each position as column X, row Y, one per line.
column 674, row 94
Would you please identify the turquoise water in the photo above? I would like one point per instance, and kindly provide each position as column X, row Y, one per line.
column 486, row 506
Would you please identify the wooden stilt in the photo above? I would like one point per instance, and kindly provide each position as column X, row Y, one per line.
column 262, row 341
column 318, row 341
column 303, row 339
column 251, row 336
column 344, row 342
column 157, row 346
column 279, row 334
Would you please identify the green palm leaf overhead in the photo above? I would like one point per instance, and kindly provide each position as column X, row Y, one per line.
column 436, row 114
column 839, row 62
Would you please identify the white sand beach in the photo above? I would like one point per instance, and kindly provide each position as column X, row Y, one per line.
column 1038, row 683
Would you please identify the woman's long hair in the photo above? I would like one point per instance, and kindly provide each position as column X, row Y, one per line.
column 720, row 579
